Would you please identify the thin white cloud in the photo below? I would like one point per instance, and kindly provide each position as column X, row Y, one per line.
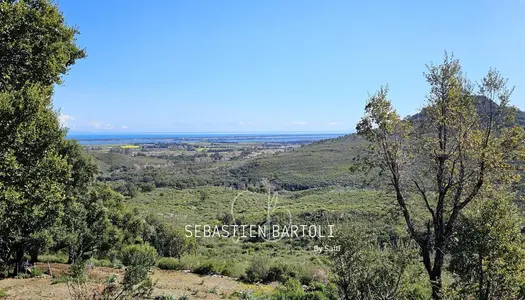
column 124, row 127
column 100, row 125
column 241, row 123
column 64, row 119
column 335, row 123
column 300, row 123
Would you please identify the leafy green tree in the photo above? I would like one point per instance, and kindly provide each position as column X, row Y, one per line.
column 36, row 44
column 444, row 158
column 33, row 173
column 488, row 249
column 38, row 243
column 37, row 49
column 96, row 224
column 83, row 170
column 168, row 241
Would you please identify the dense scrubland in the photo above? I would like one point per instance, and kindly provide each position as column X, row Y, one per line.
column 424, row 207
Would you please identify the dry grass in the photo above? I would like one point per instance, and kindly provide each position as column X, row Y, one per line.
column 174, row 283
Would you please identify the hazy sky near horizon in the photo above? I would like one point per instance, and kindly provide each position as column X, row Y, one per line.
column 273, row 65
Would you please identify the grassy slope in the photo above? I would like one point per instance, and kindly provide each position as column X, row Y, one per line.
column 371, row 209
column 321, row 164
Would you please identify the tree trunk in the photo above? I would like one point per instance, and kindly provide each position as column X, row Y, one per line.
column 19, row 260
column 436, row 284
column 34, row 257
column 70, row 258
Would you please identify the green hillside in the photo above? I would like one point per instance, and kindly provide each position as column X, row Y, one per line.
column 321, row 164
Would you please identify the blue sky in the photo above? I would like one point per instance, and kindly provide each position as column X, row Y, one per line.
column 273, row 65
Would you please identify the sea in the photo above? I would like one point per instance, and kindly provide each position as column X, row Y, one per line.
column 85, row 138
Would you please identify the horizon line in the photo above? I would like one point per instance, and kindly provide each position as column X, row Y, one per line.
column 204, row 132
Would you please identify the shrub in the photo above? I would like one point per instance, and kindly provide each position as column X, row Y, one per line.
column 101, row 263
column 281, row 272
column 291, row 289
column 139, row 255
column 210, row 267
column 189, row 262
column 168, row 241
column 36, row 272
column 53, row 258
column 3, row 293
column 169, row 263
column 258, row 269
column 147, row 187
column 234, row 270
column 76, row 283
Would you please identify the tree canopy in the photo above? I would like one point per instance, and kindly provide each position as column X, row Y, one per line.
column 446, row 159
column 37, row 45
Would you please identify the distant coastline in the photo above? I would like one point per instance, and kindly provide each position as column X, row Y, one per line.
column 98, row 138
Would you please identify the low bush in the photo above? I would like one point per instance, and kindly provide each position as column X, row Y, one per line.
column 293, row 290
column 189, row 262
column 169, row 263
column 53, row 258
column 36, row 272
column 234, row 270
column 101, row 263
column 210, row 267
column 258, row 269
column 139, row 255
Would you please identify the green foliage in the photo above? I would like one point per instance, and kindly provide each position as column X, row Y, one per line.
column 37, row 173
column 26, row 61
column 38, row 243
column 96, row 223
column 127, row 189
column 136, row 283
column 283, row 271
column 210, row 267
column 321, row 164
column 189, row 262
column 36, row 272
column 293, row 290
column 147, row 187
column 258, row 269
column 169, row 263
column 168, row 241
column 33, row 175
column 363, row 270
column 138, row 259
column 77, row 280
column 139, row 255
column 3, row 293
column 488, row 253
column 446, row 157
column 78, row 271
column 234, row 269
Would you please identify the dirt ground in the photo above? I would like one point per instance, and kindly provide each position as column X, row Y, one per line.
column 175, row 283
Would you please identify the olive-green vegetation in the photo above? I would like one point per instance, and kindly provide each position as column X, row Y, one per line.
column 321, row 164
column 447, row 159
column 241, row 166
column 423, row 207
column 36, row 170
column 49, row 200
